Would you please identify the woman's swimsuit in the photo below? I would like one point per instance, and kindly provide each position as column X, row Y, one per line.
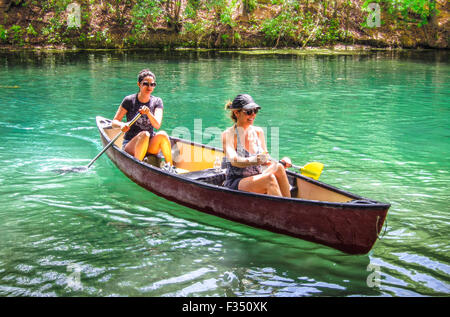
column 235, row 174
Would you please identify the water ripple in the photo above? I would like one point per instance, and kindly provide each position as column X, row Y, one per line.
column 379, row 124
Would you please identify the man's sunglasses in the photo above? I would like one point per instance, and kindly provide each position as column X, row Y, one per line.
column 250, row 112
column 146, row 83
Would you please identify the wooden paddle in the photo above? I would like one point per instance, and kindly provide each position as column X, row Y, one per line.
column 85, row 168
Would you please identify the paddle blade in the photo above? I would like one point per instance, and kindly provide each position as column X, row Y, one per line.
column 312, row 170
column 66, row 170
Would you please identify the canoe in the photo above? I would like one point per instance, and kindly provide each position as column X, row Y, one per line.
column 316, row 212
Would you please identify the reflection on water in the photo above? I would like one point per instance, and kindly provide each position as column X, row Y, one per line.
column 378, row 121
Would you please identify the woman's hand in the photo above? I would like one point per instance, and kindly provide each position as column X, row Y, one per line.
column 262, row 159
column 122, row 125
column 144, row 110
column 286, row 161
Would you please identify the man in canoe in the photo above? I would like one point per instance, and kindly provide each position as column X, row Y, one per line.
column 249, row 167
column 140, row 138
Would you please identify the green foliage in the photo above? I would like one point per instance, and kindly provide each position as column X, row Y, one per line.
column 332, row 33
column 308, row 22
column 206, row 21
column 18, row 2
column 223, row 10
column 172, row 14
column 226, row 13
column 222, row 26
column 56, row 6
column 31, row 31
column 195, row 28
column 3, row 34
column 82, row 38
column 407, row 9
column 130, row 41
column 249, row 5
column 192, row 7
column 286, row 24
column 17, row 34
column 102, row 37
column 198, row 29
column 144, row 13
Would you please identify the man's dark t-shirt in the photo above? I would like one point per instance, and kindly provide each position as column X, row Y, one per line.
column 132, row 104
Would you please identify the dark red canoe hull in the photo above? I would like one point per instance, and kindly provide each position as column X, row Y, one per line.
column 351, row 228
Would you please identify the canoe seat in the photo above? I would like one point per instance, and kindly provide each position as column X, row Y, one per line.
column 208, row 175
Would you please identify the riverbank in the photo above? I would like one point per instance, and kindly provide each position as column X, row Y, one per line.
column 338, row 49
column 226, row 24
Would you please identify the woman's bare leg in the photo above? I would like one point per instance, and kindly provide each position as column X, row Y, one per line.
column 138, row 145
column 279, row 171
column 160, row 141
column 262, row 184
column 283, row 181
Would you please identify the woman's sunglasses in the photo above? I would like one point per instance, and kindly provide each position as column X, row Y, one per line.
column 250, row 112
column 146, row 83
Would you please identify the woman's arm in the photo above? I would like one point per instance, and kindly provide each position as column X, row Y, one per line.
column 233, row 157
column 262, row 139
column 155, row 119
column 260, row 132
column 117, row 121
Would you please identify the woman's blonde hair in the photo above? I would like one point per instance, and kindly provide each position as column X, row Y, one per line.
column 227, row 107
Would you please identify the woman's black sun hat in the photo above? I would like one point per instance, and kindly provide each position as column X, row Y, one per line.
column 245, row 102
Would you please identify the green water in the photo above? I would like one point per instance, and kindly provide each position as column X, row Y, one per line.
column 378, row 121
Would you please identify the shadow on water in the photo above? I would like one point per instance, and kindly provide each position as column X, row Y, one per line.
column 52, row 58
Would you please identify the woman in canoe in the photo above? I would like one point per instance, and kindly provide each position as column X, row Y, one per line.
column 140, row 138
column 248, row 165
